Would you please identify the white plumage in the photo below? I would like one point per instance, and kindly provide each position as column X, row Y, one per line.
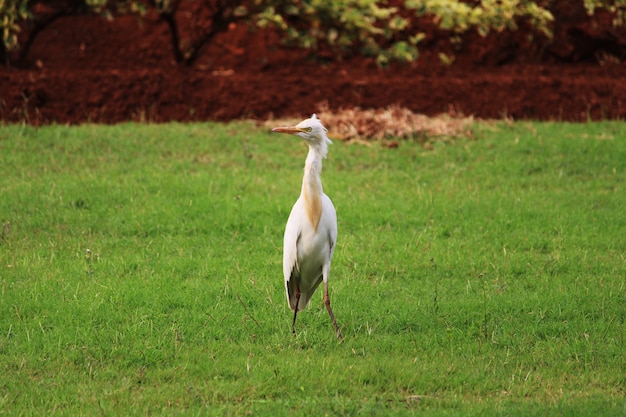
column 311, row 230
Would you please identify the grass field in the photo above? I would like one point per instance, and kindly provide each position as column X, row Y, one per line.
column 141, row 274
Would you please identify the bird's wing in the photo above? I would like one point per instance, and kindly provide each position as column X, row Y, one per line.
column 291, row 269
column 330, row 223
column 331, row 220
column 290, row 246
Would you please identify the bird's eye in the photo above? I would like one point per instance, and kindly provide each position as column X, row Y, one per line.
column 308, row 129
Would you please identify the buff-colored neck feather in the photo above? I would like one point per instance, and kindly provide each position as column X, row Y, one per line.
column 312, row 187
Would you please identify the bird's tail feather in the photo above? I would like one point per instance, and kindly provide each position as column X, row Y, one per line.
column 305, row 295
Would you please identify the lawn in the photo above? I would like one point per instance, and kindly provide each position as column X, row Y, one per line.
column 141, row 273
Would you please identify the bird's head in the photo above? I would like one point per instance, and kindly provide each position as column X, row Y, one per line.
column 312, row 131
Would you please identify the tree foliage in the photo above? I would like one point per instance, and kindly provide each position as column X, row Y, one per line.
column 363, row 26
column 11, row 14
column 486, row 16
column 36, row 15
column 616, row 7
column 375, row 28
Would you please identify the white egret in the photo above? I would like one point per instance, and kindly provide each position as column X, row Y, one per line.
column 311, row 230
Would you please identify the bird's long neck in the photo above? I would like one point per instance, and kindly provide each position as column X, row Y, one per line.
column 312, row 186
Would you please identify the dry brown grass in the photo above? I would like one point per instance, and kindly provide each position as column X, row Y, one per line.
column 392, row 122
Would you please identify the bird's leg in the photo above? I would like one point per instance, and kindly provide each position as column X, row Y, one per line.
column 295, row 310
column 330, row 311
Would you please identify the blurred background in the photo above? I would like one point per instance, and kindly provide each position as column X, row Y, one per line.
column 77, row 61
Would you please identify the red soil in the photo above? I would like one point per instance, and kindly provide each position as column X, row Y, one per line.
column 85, row 68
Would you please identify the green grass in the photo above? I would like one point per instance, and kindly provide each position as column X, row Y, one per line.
column 140, row 274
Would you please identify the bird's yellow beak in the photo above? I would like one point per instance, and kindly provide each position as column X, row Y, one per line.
column 289, row 129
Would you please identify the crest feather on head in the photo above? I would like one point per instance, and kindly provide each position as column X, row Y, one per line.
column 326, row 140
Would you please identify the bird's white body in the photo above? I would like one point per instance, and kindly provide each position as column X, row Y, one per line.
column 311, row 231
column 307, row 252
